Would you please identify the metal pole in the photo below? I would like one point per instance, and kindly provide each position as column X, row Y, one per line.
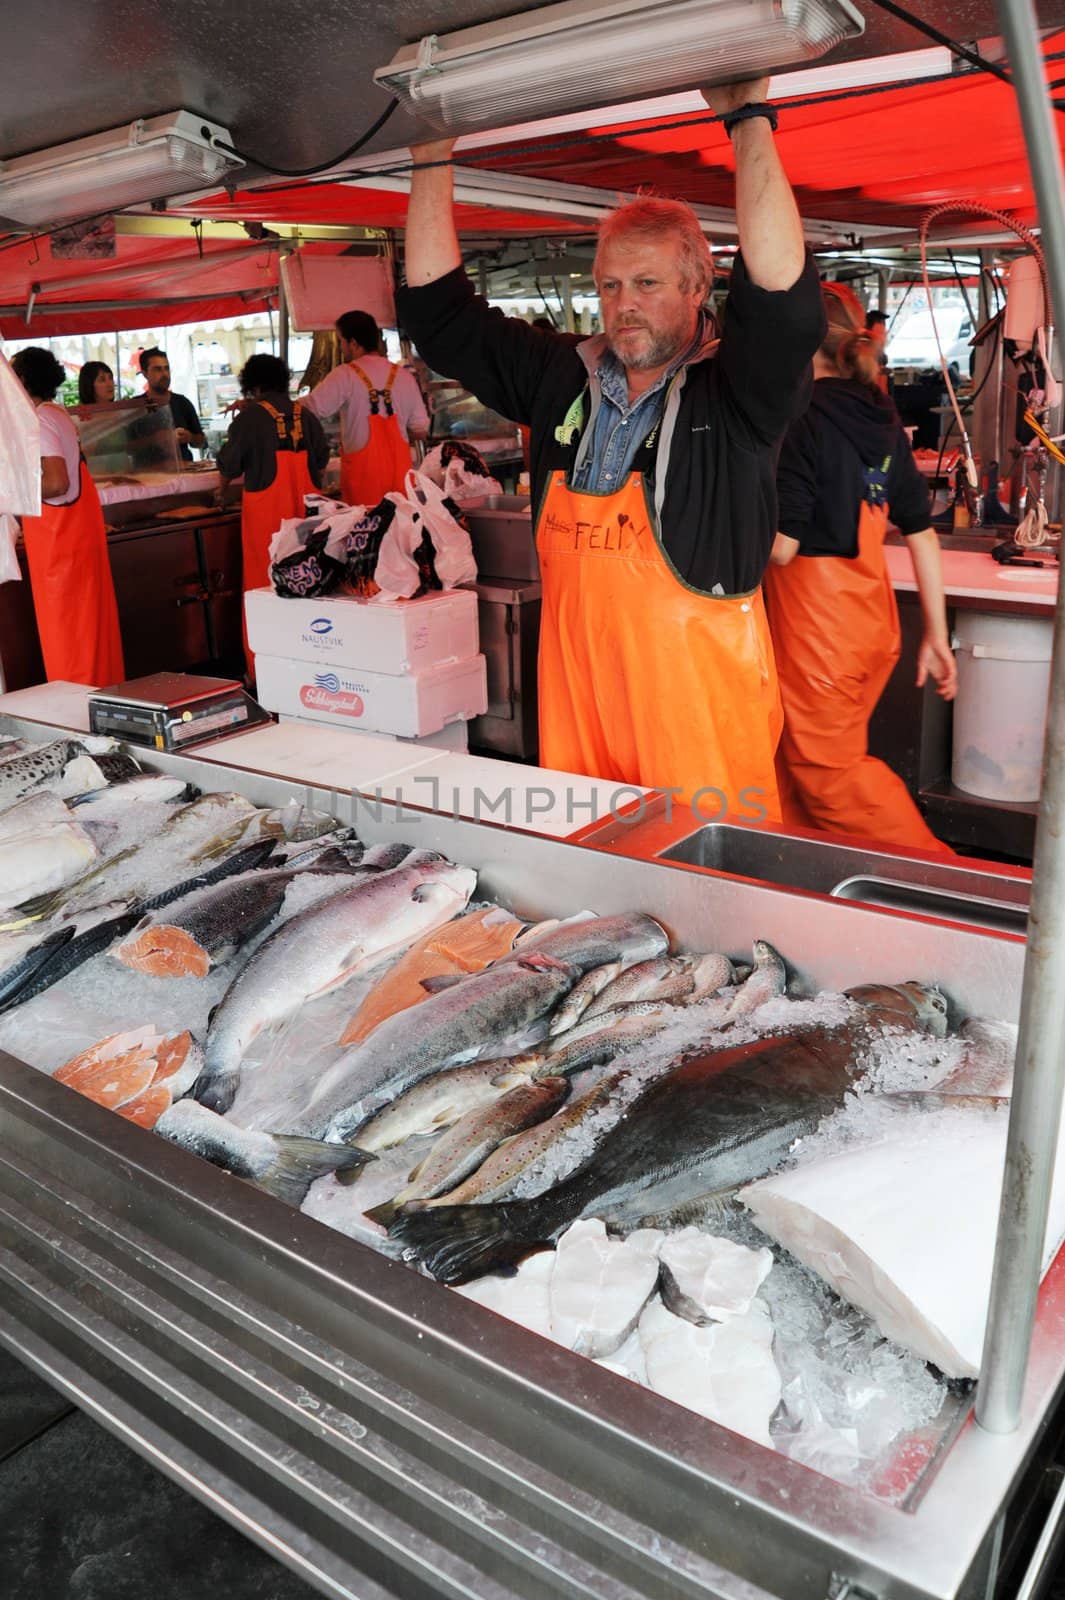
column 282, row 317
column 118, row 368
column 1040, row 1070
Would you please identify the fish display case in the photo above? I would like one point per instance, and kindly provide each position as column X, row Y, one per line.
column 386, row 1437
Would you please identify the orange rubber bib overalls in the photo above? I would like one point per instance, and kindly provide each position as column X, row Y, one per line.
column 642, row 679
column 835, row 628
column 263, row 510
column 381, row 466
column 73, row 590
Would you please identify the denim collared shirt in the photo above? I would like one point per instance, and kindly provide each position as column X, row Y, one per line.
column 620, row 428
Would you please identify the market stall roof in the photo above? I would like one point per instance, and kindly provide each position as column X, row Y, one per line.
column 865, row 163
column 293, row 84
column 148, row 282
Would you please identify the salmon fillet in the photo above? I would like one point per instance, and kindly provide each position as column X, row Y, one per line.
column 165, row 952
column 463, row 946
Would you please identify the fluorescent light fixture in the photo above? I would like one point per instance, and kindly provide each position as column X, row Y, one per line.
column 585, row 53
column 511, row 191
column 149, row 159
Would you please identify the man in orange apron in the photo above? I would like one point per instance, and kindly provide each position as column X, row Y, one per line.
column 281, row 452
column 381, row 409
column 653, row 455
column 66, row 546
column 830, row 599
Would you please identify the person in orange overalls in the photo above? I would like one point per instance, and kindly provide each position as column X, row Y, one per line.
column 843, row 467
column 66, row 546
column 381, row 409
column 281, row 452
column 653, row 454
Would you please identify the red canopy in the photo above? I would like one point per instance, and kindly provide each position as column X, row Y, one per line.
column 868, row 161
column 150, row 282
column 871, row 159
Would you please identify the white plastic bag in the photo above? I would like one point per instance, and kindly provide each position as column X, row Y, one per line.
column 9, row 567
column 20, row 447
column 421, row 507
column 462, row 485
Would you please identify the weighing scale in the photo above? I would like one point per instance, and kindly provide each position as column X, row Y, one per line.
column 172, row 710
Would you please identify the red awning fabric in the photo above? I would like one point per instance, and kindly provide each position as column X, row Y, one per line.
column 873, row 159
column 869, row 161
column 880, row 160
column 150, row 282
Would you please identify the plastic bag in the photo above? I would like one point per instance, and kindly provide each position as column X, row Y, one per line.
column 423, row 510
column 462, row 485
column 10, row 571
column 20, row 447
column 335, row 547
column 460, row 470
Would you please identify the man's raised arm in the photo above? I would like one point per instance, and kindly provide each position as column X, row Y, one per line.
column 767, row 217
column 432, row 244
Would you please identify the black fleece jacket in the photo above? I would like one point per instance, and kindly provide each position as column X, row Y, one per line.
column 714, row 466
column 848, row 447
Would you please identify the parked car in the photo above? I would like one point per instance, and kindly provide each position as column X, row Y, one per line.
column 913, row 344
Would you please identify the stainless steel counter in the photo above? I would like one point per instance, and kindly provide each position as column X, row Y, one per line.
column 386, row 1437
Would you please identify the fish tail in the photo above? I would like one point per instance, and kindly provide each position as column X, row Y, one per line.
column 216, row 1090
column 457, row 1243
column 385, row 1214
column 298, row 1162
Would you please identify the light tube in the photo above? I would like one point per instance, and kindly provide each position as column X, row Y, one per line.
column 585, row 53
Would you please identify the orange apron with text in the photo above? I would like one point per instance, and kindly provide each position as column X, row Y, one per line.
column 381, row 466
column 73, row 591
column 835, row 628
column 263, row 510
column 642, row 679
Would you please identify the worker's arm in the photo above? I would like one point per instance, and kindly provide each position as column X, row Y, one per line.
column 784, row 550
column 767, row 217
column 935, row 658
column 55, row 480
column 774, row 318
column 432, row 243
column 500, row 359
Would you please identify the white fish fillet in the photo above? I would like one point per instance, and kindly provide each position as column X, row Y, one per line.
column 905, row 1229
column 724, row 1370
column 522, row 1297
column 36, row 810
column 711, row 1279
column 41, row 860
column 600, row 1285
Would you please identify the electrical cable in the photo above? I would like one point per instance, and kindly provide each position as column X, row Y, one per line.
column 584, row 137
column 938, row 37
column 321, row 166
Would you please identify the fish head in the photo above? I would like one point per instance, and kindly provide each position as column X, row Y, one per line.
column 930, row 1006
column 915, row 1005
column 765, row 955
column 445, row 886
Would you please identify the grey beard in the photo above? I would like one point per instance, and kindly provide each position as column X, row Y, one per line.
column 658, row 354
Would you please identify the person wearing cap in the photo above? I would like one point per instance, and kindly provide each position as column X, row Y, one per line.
column 653, row 458
column 381, row 409
column 844, row 467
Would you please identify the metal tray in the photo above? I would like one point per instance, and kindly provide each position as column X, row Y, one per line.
column 386, row 1437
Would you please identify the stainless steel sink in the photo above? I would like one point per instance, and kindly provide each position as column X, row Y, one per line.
column 988, row 897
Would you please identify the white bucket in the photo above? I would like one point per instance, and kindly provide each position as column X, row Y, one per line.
column 1001, row 706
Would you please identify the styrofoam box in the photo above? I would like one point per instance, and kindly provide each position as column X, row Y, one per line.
column 415, row 703
column 455, row 736
column 376, row 635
